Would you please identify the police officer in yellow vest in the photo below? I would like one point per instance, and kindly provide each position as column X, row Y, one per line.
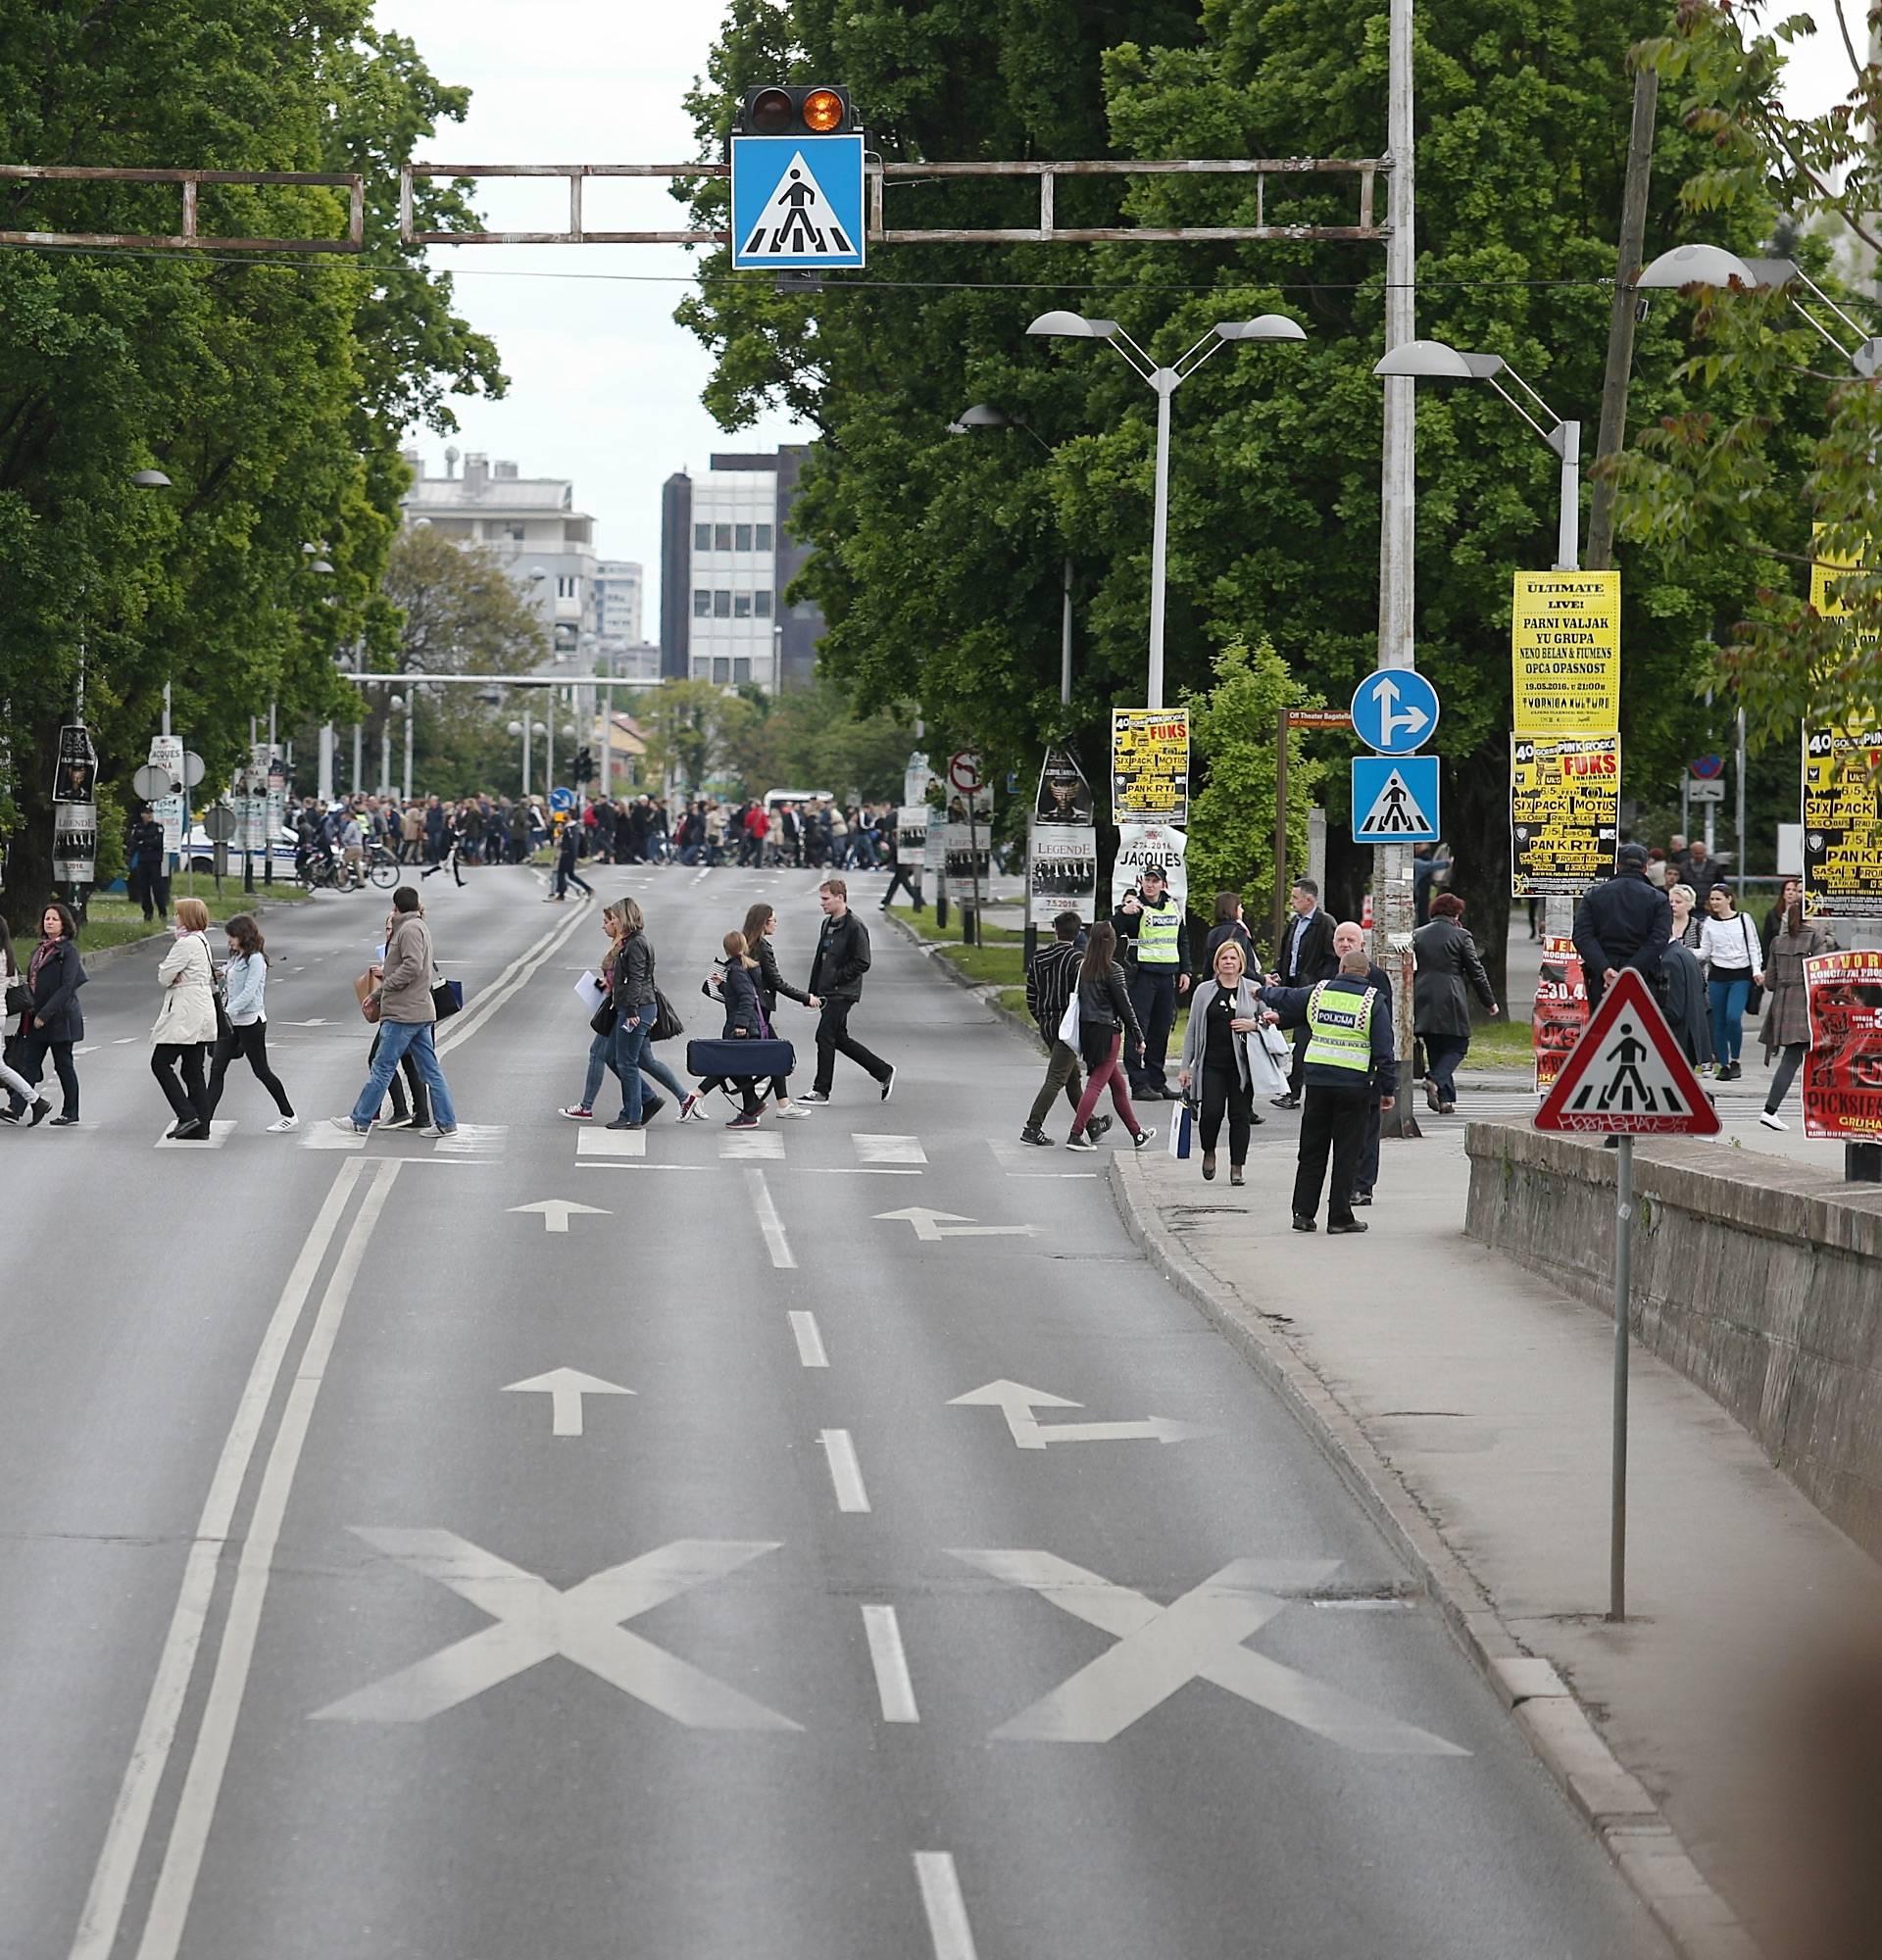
column 1350, row 1059
column 1153, row 935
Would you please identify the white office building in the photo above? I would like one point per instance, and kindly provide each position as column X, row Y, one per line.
column 733, row 630
column 618, row 600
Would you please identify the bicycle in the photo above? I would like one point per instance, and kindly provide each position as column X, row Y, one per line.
column 381, row 866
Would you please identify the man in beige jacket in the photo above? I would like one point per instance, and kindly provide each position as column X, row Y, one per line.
column 407, row 1018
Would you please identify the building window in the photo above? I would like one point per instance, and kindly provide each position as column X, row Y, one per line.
column 741, row 605
column 741, row 674
column 762, row 605
column 701, row 537
column 741, row 537
column 721, row 670
column 722, row 603
column 721, row 537
column 764, row 539
column 702, row 603
column 566, row 587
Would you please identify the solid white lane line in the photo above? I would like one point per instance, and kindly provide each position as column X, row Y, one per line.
column 769, row 1223
column 157, row 1732
column 859, row 1170
column 893, row 1688
column 196, row 1808
column 511, row 981
column 947, row 1910
column 810, row 1342
column 846, row 1473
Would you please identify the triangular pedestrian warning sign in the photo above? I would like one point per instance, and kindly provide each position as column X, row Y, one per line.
column 1627, row 1076
column 797, row 221
column 1396, row 812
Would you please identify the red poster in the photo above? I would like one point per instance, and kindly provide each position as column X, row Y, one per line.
column 1561, row 1009
column 1843, row 1070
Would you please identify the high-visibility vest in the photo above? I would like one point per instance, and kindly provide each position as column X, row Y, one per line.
column 1157, row 935
column 1339, row 1029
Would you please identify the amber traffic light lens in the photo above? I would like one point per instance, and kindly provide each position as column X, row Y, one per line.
column 823, row 110
column 770, row 114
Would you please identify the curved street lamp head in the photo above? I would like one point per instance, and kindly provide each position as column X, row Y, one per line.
column 1438, row 361
column 1264, row 326
column 1074, row 326
column 320, row 564
column 1696, row 266
column 149, row 480
column 515, row 728
column 982, row 415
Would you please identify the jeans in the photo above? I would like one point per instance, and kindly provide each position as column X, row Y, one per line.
column 1727, row 999
column 566, row 877
column 1442, row 1054
column 1061, row 1072
column 396, row 1040
column 187, row 1098
column 1153, row 999
column 1109, row 1071
column 250, row 1040
column 1332, row 1120
column 633, row 1053
column 1789, row 1060
column 833, row 1038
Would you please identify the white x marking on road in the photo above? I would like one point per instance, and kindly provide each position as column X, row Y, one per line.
column 535, row 1622
column 1197, row 1637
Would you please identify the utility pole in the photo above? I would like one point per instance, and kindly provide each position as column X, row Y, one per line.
column 1392, row 909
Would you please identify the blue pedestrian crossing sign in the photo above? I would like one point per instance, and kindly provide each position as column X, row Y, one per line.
column 1395, row 710
column 1395, row 800
column 797, row 203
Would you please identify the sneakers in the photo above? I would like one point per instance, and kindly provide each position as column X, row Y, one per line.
column 1037, row 1137
column 352, row 1128
column 1100, row 1124
column 406, row 1122
column 439, row 1130
column 691, row 1111
column 742, row 1122
column 785, row 1111
column 63, row 1123
column 888, row 1085
column 1143, row 1136
column 577, row 1114
column 817, row 1097
column 1079, row 1144
column 283, row 1125
column 1773, row 1120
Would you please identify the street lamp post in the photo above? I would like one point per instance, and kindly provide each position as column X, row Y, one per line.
column 411, row 715
column 1164, row 381
column 525, row 729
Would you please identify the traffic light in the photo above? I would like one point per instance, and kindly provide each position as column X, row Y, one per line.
column 584, row 766
column 782, row 110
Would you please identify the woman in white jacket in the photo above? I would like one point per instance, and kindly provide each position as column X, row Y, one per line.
column 185, row 1024
column 245, row 994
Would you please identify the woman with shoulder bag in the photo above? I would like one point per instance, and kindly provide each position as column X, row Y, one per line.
column 600, row 1047
column 636, row 1003
column 1787, row 1017
column 1729, row 948
column 21, row 1095
column 51, row 1022
column 1105, row 1016
column 760, row 923
column 244, row 992
column 1222, row 1014
column 186, row 1023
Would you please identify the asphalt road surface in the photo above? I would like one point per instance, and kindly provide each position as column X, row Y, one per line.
column 392, row 1566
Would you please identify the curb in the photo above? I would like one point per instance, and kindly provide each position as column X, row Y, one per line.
column 951, row 973
column 1613, row 1803
column 106, row 956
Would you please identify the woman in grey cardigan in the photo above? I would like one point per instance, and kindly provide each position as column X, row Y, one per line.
column 1222, row 1014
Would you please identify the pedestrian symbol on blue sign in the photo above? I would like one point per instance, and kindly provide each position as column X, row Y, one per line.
column 1395, row 710
column 797, row 204
column 1395, row 800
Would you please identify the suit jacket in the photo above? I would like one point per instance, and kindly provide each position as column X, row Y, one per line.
column 1315, row 962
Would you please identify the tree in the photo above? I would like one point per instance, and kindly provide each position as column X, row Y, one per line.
column 1231, row 727
column 693, row 729
column 1274, row 500
column 271, row 393
column 811, row 738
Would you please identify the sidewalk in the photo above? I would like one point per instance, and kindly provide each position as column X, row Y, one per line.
column 1470, row 1408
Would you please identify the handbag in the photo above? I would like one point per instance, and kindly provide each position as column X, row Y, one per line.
column 366, row 990
column 1068, row 1021
column 219, row 992
column 601, row 1021
column 1182, row 1131
column 19, row 997
column 1755, row 1000
column 447, row 998
column 666, row 1023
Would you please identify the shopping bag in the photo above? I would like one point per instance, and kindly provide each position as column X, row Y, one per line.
column 1068, row 1021
column 1182, row 1132
column 366, row 990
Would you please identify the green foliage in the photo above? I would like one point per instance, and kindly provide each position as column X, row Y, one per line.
column 1232, row 726
column 810, row 739
column 693, row 730
column 271, row 393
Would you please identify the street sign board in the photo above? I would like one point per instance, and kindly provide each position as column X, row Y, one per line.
column 1706, row 768
column 1705, row 789
column 1319, row 717
column 1627, row 1076
column 797, row 203
column 167, row 756
column 1395, row 712
column 1395, row 802
column 562, row 798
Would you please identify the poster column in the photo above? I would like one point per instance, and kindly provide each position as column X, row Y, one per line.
column 1843, row 822
column 1150, row 795
column 75, row 811
column 1843, row 1066
column 1061, row 847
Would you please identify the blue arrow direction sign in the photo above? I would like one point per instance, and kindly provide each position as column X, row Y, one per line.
column 797, row 202
column 1395, row 710
column 1395, row 800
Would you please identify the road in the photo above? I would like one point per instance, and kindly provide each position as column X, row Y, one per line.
column 337, row 1619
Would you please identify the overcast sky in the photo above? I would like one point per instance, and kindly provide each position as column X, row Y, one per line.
column 604, row 387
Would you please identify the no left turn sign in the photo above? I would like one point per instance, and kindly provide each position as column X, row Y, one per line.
column 964, row 771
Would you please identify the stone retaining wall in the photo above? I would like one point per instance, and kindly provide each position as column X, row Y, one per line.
column 1758, row 1277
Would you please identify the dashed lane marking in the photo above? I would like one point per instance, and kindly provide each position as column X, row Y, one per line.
column 846, row 1472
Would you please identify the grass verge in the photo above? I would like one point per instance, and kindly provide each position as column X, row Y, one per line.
column 112, row 919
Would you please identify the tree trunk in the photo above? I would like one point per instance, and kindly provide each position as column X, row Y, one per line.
column 1477, row 821
column 1349, row 871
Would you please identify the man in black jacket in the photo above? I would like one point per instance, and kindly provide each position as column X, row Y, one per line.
column 1624, row 922
column 1303, row 958
column 147, row 882
column 1051, row 981
column 836, row 986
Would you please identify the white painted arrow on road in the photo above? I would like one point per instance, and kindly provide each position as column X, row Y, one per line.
column 565, row 1387
column 931, row 1227
column 1017, row 1403
column 557, row 1211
